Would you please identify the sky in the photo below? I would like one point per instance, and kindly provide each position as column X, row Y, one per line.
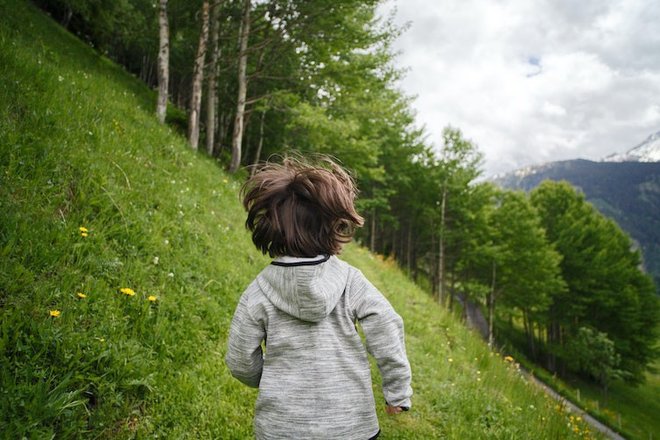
column 532, row 81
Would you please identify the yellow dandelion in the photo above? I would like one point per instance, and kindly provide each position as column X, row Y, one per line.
column 127, row 291
column 84, row 234
column 152, row 298
column 83, row 229
column 508, row 359
column 55, row 313
column 81, row 295
column 450, row 360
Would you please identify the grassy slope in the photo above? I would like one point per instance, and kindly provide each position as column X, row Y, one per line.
column 632, row 411
column 79, row 146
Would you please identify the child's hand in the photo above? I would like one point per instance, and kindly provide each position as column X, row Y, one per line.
column 392, row 410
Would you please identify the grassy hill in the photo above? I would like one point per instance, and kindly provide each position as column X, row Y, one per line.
column 123, row 254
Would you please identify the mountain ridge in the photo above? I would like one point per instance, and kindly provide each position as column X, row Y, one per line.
column 646, row 151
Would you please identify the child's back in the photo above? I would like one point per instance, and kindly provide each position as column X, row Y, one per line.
column 314, row 380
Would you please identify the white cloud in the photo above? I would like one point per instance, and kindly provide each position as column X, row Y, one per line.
column 534, row 81
column 549, row 109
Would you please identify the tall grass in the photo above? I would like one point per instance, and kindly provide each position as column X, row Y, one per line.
column 81, row 148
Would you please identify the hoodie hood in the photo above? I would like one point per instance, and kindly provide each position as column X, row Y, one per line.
column 308, row 288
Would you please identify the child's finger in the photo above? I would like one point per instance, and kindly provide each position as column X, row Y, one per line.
column 391, row 410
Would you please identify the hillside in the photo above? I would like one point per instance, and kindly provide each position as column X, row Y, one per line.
column 123, row 254
column 628, row 192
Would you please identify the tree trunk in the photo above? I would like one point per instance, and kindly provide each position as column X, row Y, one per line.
column 491, row 307
column 409, row 248
column 257, row 155
column 223, row 131
column 214, row 73
column 452, row 290
column 372, row 238
column 163, row 61
column 553, row 340
column 67, row 17
column 441, row 247
column 415, row 268
column 198, row 78
column 434, row 267
column 237, row 137
column 529, row 331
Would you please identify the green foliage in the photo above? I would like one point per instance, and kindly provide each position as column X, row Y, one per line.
column 606, row 290
column 527, row 268
column 593, row 353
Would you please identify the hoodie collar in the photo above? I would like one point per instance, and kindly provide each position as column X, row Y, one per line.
column 286, row 261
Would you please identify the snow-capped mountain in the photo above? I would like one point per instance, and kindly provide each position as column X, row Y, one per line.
column 647, row 151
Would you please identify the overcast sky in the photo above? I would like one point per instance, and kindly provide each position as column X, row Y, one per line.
column 533, row 81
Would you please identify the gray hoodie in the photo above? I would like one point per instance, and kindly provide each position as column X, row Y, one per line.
column 313, row 376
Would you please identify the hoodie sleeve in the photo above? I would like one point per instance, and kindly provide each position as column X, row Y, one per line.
column 244, row 355
column 383, row 329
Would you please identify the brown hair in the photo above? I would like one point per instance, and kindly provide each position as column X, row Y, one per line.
column 300, row 209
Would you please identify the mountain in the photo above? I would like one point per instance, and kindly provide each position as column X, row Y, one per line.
column 647, row 151
column 624, row 187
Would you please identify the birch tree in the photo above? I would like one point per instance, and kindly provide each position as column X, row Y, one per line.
column 163, row 61
column 198, row 78
column 457, row 169
column 237, row 136
column 214, row 69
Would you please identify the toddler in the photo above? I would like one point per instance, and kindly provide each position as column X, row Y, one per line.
column 293, row 334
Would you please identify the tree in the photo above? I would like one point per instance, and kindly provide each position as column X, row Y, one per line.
column 163, row 61
column 526, row 266
column 213, row 74
column 594, row 354
column 237, row 137
column 198, row 78
column 458, row 167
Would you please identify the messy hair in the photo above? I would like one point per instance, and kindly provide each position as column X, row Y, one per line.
column 300, row 209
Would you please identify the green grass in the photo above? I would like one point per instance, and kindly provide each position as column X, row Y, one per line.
column 631, row 411
column 80, row 146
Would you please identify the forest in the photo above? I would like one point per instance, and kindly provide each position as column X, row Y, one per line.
column 248, row 80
